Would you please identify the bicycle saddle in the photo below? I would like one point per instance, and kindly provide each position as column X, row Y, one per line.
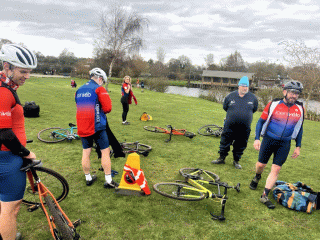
column 72, row 125
column 28, row 163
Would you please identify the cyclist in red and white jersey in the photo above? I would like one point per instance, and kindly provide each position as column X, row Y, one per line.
column 17, row 62
column 281, row 121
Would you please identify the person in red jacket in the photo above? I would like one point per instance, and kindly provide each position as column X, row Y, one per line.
column 93, row 102
column 17, row 62
column 126, row 99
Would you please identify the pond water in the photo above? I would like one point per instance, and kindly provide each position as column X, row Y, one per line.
column 314, row 106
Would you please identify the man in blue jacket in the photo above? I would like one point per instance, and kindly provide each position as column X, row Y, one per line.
column 240, row 106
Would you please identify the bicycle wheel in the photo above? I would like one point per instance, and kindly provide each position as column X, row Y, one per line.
column 179, row 191
column 64, row 231
column 199, row 174
column 155, row 129
column 136, row 147
column 57, row 185
column 209, row 130
column 53, row 135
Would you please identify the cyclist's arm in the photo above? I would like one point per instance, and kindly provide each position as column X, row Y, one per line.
column 10, row 140
column 255, row 105
column 259, row 128
column 104, row 99
column 299, row 137
column 226, row 103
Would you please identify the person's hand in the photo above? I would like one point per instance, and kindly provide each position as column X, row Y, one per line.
column 257, row 144
column 296, row 152
column 30, row 156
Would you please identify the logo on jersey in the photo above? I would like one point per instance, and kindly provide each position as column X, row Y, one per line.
column 250, row 103
column 97, row 113
column 8, row 114
column 290, row 114
column 87, row 94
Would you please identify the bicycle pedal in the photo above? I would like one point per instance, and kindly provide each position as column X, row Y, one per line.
column 33, row 208
column 77, row 223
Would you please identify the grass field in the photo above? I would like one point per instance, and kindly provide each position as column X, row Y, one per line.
column 108, row 215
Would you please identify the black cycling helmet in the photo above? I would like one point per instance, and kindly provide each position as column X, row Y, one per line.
column 293, row 85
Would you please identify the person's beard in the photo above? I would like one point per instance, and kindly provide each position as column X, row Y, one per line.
column 291, row 100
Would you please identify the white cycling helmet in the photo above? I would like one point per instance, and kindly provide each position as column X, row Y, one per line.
column 18, row 56
column 100, row 73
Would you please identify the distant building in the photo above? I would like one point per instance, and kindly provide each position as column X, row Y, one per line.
column 223, row 78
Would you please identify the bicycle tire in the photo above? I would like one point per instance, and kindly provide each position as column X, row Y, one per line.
column 48, row 136
column 156, row 129
column 64, row 231
column 199, row 174
column 209, row 130
column 133, row 147
column 57, row 185
column 179, row 191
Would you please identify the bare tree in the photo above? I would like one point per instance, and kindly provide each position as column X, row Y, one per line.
column 161, row 54
column 121, row 31
column 209, row 59
column 305, row 65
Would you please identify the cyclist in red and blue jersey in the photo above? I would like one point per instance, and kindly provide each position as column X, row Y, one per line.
column 18, row 63
column 93, row 102
column 281, row 121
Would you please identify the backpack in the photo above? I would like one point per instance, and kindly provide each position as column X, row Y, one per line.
column 145, row 117
column 297, row 196
column 30, row 109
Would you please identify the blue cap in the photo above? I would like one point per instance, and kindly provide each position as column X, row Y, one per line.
column 244, row 81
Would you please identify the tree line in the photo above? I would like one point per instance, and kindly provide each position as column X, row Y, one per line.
column 121, row 37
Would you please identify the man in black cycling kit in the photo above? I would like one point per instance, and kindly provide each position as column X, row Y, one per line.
column 17, row 64
column 281, row 121
column 240, row 106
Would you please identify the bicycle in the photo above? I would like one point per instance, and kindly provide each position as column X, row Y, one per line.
column 60, row 225
column 128, row 147
column 211, row 129
column 135, row 147
column 197, row 178
column 172, row 131
column 57, row 134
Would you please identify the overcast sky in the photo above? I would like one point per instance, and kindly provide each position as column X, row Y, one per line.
column 191, row 28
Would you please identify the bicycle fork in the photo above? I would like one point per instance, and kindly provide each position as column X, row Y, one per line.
column 223, row 204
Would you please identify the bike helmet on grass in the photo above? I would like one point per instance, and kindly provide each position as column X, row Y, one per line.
column 18, row 56
column 293, row 85
column 99, row 72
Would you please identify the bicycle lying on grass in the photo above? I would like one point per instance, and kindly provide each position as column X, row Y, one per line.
column 172, row 131
column 38, row 195
column 209, row 130
column 197, row 178
column 128, row 147
column 135, row 147
column 57, row 134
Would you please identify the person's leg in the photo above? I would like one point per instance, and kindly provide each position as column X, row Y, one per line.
column 86, row 160
column 8, row 219
column 87, row 144
column 225, row 143
column 280, row 155
column 265, row 153
column 239, row 145
column 106, row 161
column 103, row 142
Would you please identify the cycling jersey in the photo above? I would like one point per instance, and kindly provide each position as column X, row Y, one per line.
column 281, row 121
column 12, row 131
column 93, row 102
